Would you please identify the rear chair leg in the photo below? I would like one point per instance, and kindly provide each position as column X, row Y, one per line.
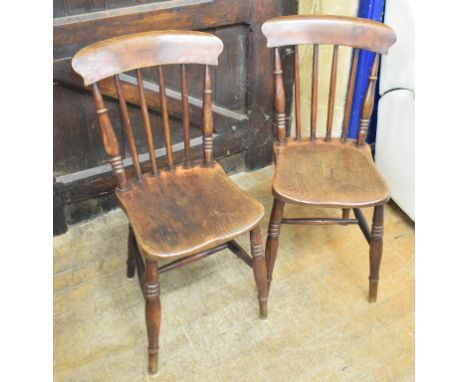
column 375, row 252
column 273, row 238
column 346, row 212
column 259, row 268
column 131, row 243
column 153, row 314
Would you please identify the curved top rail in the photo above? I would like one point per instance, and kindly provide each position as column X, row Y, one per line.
column 335, row 30
column 140, row 50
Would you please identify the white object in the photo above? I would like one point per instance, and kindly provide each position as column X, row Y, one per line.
column 397, row 69
column 394, row 147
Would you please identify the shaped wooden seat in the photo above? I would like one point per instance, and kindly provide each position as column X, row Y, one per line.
column 186, row 211
column 327, row 174
column 180, row 212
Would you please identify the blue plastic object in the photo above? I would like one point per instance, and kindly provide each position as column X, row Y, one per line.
column 369, row 9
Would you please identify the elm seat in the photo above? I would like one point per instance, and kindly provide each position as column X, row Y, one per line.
column 329, row 174
column 188, row 210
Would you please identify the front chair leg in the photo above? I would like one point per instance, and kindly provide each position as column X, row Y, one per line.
column 259, row 268
column 273, row 238
column 375, row 252
column 131, row 243
column 153, row 314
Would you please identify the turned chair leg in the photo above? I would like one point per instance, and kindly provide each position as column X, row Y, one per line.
column 153, row 314
column 346, row 212
column 273, row 238
column 259, row 268
column 375, row 252
column 131, row 243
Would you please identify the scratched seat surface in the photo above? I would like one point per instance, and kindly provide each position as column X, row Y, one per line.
column 182, row 212
column 327, row 174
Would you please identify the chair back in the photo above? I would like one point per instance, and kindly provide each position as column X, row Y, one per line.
column 353, row 32
column 112, row 57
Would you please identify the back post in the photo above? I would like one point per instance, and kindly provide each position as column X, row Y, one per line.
column 207, row 120
column 331, row 95
column 368, row 103
column 111, row 144
column 349, row 96
column 280, row 99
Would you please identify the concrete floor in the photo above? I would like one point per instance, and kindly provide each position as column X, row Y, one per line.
column 320, row 325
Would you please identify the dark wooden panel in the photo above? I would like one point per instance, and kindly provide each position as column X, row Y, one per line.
column 114, row 4
column 60, row 222
column 231, row 73
column 60, row 8
column 78, row 7
column 77, row 140
column 70, row 37
column 89, row 208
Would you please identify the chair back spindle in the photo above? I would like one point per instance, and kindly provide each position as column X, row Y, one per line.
column 280, row 99
column 297, row 93
column 146, row 122
column 165, row 118
column 338, row 31
column 128, row 128
column 111, row 144
column 185, row 116
column 331, row 95
column 349, row 96
column 110, row 58
column 368, row 103
column 314, row 94
column 207, row 119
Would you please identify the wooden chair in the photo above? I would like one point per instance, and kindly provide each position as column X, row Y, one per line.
column 181, row 212
column 327, row 172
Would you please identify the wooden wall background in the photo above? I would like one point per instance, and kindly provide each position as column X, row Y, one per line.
column 243, row 90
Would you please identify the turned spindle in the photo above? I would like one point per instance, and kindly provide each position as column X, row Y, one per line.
column 146, row 122
column 331, row 95
column 314, row 94
column 297, row 93
column 185, row 116
column 128, row 127
column 165, row 118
